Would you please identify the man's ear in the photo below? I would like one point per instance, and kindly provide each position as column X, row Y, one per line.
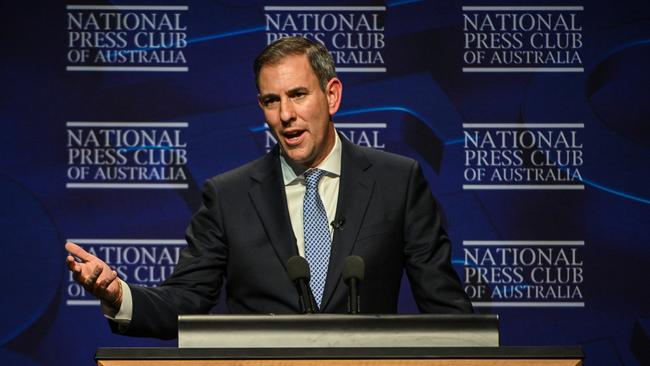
column 334, row 92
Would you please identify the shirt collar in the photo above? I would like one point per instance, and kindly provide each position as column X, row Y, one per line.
column 292, row 172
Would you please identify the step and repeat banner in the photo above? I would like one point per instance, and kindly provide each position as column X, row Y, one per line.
column 530, row 120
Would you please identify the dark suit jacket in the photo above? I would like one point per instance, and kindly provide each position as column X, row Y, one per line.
column 242, row 235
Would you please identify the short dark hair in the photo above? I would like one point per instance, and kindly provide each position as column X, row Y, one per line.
column 319, row 58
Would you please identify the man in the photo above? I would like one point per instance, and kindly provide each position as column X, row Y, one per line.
column 254, row 218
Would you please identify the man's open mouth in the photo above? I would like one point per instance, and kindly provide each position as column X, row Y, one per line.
column 293, row 137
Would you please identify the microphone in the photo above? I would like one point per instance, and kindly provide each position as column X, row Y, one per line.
column 338, row 224
column 353, row 272
column 298, row 269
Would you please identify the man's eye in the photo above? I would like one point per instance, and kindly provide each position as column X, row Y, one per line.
column 269, row 102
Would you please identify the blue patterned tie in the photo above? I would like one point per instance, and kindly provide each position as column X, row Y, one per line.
column 317, row 234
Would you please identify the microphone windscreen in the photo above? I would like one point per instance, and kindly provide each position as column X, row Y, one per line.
column 353, row 267
column 298, row 267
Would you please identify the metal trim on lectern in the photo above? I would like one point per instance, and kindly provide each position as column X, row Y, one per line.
column 337, row 331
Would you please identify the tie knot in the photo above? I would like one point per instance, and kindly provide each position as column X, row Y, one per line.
column 312, row 177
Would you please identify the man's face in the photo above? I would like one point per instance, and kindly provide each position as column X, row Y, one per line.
column 297, row 110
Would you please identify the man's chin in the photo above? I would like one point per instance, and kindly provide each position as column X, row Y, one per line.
column 304, row 162
column 297, row 157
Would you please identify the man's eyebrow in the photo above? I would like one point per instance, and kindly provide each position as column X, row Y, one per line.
column 290, row 92
column 296, row 90
column 267, row 96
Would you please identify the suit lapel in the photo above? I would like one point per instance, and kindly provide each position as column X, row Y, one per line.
column 355, row 191
column 269, row 199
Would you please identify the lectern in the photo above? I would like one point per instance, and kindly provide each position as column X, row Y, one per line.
column 337, row 340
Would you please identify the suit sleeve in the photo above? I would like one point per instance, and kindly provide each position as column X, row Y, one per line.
column 194, row 286
column 435, row 285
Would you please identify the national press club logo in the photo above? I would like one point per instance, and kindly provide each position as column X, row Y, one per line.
column 354, row 35
column 522, row 38
column 524, row 273
column 523, row 156
column 128, row 38
column 126, row 155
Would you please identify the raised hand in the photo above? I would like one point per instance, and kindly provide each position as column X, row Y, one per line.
column 95, row 276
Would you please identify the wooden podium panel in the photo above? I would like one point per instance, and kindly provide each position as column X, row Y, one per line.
column 355, row 362
column 433, row 356
column 441, row 362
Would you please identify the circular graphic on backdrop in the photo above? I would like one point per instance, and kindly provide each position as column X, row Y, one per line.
column 32, row 256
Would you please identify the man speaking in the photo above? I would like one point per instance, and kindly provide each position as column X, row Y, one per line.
column 316, row 195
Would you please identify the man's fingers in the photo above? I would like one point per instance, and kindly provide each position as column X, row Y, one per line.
column 72, row 264
column 102, row 285
column 77, row 277
column 92, row 273
column 105, row 281
column 98, row 282
column 78, row 251
column 90, row 281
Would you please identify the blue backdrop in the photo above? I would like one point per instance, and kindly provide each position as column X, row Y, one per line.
column 530, row 120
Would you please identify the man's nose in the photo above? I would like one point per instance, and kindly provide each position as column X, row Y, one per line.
column 287, row 111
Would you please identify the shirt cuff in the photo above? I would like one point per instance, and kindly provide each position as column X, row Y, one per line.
column 125, row 313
